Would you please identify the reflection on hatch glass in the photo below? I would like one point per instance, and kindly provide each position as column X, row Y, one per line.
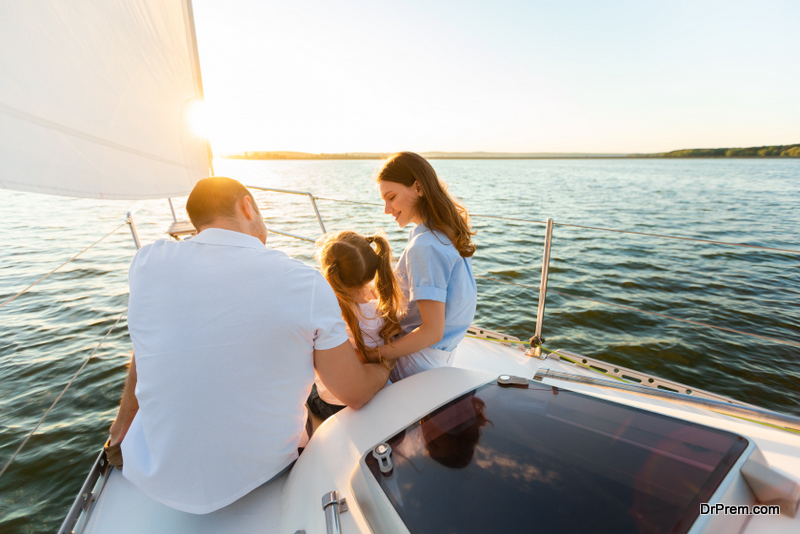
column 547, row 460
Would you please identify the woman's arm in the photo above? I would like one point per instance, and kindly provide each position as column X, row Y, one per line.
column 425, row 335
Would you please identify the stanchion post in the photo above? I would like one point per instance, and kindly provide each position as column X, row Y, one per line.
column 548, row 236
column 172, row 209
column 134, row 233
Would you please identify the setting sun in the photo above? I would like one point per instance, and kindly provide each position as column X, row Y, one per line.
column 200, row 118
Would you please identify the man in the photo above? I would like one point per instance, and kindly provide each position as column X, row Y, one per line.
column 226, row 335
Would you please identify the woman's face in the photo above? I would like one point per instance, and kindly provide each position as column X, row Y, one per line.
column 400, row 200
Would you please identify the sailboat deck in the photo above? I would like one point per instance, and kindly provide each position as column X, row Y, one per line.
column 292, row 503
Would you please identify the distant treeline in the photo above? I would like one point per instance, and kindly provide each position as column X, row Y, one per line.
column 781, row 151
column 429, row 155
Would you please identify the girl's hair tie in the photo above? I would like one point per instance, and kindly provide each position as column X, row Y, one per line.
column 370, row 239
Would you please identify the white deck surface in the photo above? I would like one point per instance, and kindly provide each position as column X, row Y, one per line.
column 293, row 502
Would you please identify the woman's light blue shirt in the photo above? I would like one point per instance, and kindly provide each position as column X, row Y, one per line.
column 431, row 268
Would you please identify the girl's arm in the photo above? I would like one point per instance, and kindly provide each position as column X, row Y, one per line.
column 427, row 334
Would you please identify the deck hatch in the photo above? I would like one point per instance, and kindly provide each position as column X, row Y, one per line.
column 552, row 460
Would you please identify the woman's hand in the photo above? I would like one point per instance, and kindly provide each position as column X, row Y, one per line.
column 429, row 333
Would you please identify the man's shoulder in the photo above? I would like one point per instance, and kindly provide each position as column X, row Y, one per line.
column 156, row 247
column 164, row 252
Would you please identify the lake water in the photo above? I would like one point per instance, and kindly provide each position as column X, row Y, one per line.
column 47, row 334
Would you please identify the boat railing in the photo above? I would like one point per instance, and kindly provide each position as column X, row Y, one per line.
column 311, row 198
column 130, row 222
column 537, row 339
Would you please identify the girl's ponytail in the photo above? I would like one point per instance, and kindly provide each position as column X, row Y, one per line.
column 390, row 298
column 343, row 267
column 348, row 262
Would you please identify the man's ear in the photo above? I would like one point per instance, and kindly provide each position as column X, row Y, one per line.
column 247, row 207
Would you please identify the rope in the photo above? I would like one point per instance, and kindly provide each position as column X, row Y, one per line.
column 629, row 308
column 63, row 264
column 22, row 445
column 477, row 215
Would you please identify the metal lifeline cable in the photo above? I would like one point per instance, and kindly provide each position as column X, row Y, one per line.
column 783, row 341
column 63, row 264
column 506, row 282
column 679, row 237
column 477, row 215
column 32, row 432
column 348, row 201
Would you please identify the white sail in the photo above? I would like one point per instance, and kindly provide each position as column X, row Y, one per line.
column 95, row 97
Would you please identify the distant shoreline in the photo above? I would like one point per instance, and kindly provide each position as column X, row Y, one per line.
column 763, row 152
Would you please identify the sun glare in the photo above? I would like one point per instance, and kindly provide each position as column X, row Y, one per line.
column 199, row 119
column 208, row 122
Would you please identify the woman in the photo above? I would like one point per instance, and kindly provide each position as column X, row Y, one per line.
column 435, row 269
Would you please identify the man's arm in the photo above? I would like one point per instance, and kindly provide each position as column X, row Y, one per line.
column 127, row 408
column 352, row 382
column 429, row 333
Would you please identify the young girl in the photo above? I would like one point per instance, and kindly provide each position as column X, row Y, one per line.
column 435, row 269
column 351, row 265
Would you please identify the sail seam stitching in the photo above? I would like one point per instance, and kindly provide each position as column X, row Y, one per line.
column 51, row 125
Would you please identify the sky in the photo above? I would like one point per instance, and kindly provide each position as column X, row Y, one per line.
column 498, row 76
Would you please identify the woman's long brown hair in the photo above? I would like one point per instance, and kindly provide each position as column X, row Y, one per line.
column 349, row 262
column 437, row 209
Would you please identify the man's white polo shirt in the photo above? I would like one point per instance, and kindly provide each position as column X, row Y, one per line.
column 224, row 331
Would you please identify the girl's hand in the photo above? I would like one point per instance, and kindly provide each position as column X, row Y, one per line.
column 374, row 356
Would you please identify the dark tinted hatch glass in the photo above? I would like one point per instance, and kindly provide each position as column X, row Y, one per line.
column 548, row 460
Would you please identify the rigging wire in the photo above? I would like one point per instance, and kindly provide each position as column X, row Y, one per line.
column 629, row 308
column 63, row 264
column 32, row 432
column 477, row 215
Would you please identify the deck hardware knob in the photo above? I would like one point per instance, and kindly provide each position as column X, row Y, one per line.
column 512, row 381
column 383, row 453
